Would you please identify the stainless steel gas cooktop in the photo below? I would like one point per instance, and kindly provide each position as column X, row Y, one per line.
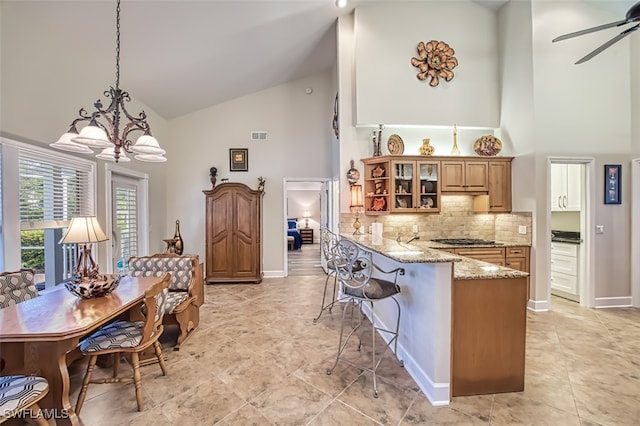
column 465, row 242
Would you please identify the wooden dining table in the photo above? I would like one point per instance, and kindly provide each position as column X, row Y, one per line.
column 37, row 334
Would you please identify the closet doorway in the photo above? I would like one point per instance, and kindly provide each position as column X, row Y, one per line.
column 307, row 209
column 571, row 206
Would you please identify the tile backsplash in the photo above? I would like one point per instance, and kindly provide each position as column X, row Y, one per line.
column 455, row 220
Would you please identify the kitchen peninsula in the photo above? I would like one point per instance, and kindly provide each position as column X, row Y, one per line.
column 463, row 321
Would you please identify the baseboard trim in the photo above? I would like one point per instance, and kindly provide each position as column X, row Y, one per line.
column 438, row 394
column 613, row 302
column 273, row 274
column 538, row 305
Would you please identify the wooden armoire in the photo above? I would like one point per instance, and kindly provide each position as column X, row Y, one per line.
column 233, row 234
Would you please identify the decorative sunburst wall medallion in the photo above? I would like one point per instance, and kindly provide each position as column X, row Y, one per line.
column 435, row 60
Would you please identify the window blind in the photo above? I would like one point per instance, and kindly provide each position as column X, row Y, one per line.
column 53, row 190
column 126, row 209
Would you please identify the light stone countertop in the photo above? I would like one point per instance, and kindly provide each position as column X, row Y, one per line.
column 427, row 252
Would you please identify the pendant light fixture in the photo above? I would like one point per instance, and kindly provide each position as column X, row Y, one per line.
column 106, row 131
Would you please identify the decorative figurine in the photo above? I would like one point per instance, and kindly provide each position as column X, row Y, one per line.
column 213, row 172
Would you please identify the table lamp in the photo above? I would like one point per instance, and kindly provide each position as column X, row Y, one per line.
column 357, row 206
column 306, row 215
column 84, row 231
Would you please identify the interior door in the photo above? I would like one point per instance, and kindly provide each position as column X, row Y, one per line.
column 125, row 222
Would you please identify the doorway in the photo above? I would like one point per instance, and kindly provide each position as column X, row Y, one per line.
column 570, row 221
column 307, row 207
column 635, row 232
column 127, row 216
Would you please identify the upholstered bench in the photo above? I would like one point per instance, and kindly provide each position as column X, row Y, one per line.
column 290, row 241
column 186, row 289
column 16, row 287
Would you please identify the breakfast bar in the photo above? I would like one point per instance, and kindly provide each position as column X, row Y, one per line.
column 463, row 321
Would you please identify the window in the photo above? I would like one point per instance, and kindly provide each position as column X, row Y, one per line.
column 125, row 206
column 51, row 189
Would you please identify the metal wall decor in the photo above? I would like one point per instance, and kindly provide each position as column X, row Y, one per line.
column 435, row 60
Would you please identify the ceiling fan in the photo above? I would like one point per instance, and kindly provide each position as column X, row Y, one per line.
column 633, row 15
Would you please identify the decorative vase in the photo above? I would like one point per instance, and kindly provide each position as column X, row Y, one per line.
column 178, row 239
column 455, row 150
column 426, row 149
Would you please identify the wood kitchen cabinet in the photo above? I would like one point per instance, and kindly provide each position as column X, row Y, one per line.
column 401, row 184
column 465, row 176
column 233, row 234
column 377, row 189
column 499, row 186
column 566, row 187
column 514, row 257
column 415, row 185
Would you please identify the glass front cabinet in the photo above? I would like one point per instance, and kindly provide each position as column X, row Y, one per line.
column 407, row 184
column 416, row 186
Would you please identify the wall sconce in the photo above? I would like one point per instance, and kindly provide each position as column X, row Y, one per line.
column 357, row 206
column 306, row 215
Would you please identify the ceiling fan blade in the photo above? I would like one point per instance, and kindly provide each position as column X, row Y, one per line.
column 590, row 30
column 608, row 44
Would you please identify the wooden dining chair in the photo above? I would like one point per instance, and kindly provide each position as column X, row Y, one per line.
column 131, row 337
column 19, row 396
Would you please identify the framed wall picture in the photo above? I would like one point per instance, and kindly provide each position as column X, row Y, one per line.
column 239, row 159
column 612, row 174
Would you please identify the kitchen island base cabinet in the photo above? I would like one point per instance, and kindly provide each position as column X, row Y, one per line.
column 488, row 336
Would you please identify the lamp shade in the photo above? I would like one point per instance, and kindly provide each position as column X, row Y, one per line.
column 306, row 213
column 356, row 197
column 151, row 158
column 109, row 154
column 65, row 143
column 83, row 229
column 147, row 144
column 93, row 136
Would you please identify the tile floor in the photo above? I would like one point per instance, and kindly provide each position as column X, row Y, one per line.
column 258, row 359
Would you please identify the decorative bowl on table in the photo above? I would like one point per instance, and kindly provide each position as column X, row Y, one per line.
column 100, row 286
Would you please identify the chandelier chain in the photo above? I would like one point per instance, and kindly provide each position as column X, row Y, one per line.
column 118, row 45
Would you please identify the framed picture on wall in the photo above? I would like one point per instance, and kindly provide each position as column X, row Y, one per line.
column 239, row 159
column 612, row 194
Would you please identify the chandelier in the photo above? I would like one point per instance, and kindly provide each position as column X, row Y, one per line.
column 106, row 131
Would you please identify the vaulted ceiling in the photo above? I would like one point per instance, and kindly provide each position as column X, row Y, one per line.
column 181, row 56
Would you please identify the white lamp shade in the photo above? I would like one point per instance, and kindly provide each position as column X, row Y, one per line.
column 151, row 158
column 306, row 213
column 147, row 144
column 83, row 229
column 93, row 136
column 65, row 143
column 108, row 154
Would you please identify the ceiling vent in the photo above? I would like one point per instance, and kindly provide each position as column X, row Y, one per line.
column 258, row 135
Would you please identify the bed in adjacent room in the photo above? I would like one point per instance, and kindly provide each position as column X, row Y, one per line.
column 292, row 232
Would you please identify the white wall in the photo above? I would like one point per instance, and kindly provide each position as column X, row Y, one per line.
column 38, row 103
column 299, row 145
column 387, row 35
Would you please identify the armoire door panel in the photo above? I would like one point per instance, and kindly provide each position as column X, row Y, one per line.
column 233, row 234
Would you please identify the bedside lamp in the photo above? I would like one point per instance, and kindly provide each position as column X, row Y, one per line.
column 306, row 215
column 84, row 231
column 357, row 207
